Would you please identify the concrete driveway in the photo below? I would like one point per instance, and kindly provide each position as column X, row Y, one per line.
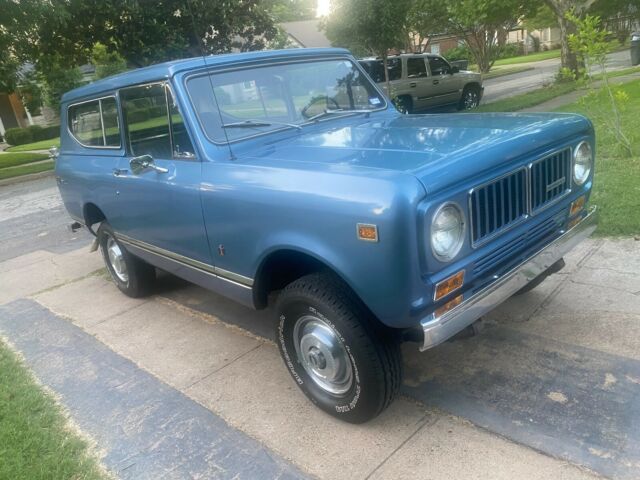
column 186, row 384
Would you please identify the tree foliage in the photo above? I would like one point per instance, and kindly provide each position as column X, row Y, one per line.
column 291, row 10
column 106, row 63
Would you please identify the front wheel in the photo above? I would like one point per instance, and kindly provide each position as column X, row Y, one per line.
column 338, row 356
column 470, row 98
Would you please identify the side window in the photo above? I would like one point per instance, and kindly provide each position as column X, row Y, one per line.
column 110, row 121
column 375, row 70
column 416, row 67
column 95, row 123
column 438, row 66
column 182, row 147
column 394, row 66
column 147, row 123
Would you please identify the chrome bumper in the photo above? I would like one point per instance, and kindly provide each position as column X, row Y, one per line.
column 437, row 330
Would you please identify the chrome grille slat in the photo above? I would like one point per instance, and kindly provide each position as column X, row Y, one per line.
column 499, row 204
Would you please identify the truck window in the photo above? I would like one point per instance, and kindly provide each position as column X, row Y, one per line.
column 416, row 67
column 95, row 123
column 438, row 66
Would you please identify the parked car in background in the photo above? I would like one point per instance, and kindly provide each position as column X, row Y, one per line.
column 422, row 81
column 288, row 178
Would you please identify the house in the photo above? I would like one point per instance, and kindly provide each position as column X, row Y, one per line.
column 12, row 113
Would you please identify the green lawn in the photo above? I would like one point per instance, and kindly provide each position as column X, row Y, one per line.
column 11, row 172
column 502, row 71
column 14, row 159
column 35, row 441
column 41, row 145
column 617, row 178
column 529, row 99
column 532, row 57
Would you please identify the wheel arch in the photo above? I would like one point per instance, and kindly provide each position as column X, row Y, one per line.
column 92, row 214
column 285, row 264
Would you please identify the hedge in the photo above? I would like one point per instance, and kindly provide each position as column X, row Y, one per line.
column 34, row 133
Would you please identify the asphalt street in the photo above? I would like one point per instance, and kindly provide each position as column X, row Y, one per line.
column 542, row 74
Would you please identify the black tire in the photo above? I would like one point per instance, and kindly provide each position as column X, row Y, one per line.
column 373, row 353
column 404, row 104
column 140, row 276
column 470, row 98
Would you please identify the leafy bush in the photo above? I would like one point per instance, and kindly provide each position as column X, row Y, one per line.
column 136, row 116
column 509, row 50
column 33, row 133
column 459, row 53
column 18, row 136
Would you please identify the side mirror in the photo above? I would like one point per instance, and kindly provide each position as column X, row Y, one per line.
column 454, row 69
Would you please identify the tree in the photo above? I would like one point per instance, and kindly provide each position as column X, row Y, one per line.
column 59, row 78
column 106, row 63
column 426, row 18
column 291, row 10
column 561, row 8
column 372, row 26
column 482, row 23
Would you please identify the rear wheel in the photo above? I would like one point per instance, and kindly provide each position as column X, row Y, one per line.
column 343, row 362
column 131, row 275
column 470, row 98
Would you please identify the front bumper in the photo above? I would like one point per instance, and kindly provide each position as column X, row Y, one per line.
column 438, row 329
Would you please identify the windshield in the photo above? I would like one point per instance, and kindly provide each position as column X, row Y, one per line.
column 272, row 97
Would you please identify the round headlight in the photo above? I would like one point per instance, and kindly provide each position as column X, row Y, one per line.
column 582, row 163
column 447, row 232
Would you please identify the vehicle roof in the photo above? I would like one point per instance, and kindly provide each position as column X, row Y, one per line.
column 168, row 69
column 373, row 59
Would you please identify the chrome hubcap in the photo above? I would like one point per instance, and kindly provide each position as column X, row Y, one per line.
column 116, row 259
column 323, row 355
column 470, row 100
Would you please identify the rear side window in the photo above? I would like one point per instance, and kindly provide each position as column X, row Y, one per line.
column 416, row 67
column 438, row 66
column 95, row 123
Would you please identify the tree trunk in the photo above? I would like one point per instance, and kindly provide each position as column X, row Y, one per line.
column 568, row 58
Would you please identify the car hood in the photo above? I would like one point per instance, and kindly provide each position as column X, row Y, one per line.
column 440, row 150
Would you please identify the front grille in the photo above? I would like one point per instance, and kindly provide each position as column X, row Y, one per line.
column 501, row 203
column 498, row 204
column 550, row 178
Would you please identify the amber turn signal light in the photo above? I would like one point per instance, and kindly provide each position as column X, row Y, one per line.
column 447, row 306
column 577, row 205
column 367, row 232
column 451, row 284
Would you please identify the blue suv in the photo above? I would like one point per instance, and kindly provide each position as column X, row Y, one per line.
column 289, row 177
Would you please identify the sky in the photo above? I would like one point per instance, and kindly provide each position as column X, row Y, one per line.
column 323, row 8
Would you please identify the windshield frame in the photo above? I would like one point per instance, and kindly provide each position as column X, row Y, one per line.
column 212, row 70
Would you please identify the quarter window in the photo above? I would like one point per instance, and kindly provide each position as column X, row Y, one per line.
column 95, row 123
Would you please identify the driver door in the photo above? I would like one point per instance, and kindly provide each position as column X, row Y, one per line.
column 158, row 181
column 444, row 87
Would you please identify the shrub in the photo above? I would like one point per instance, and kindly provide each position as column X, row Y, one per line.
column 509, row 50
column 136, row 116
column 18, row 136
column 36, row 132
column 52, row 131
column 459, row 53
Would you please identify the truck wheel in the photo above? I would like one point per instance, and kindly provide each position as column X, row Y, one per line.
column 132, row 276
column 404, row 104
column 470, row 98
column 334, row 351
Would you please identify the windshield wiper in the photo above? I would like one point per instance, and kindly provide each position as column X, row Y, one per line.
column 336, row 111
column 259, row 123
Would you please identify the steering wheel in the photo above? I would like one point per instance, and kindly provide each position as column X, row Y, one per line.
column 326, row 98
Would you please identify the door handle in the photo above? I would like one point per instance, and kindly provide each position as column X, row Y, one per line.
column 119, row 171
column 138, row 164
column 436, row 82
column 413, row 84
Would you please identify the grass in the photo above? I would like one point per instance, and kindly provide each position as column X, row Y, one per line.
column 35, row 441
column 617, row 177
column 41, row 145
column 14, row 159
column 11, row 172
column 529, row 99
column 500, row 72
column 532, row 57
